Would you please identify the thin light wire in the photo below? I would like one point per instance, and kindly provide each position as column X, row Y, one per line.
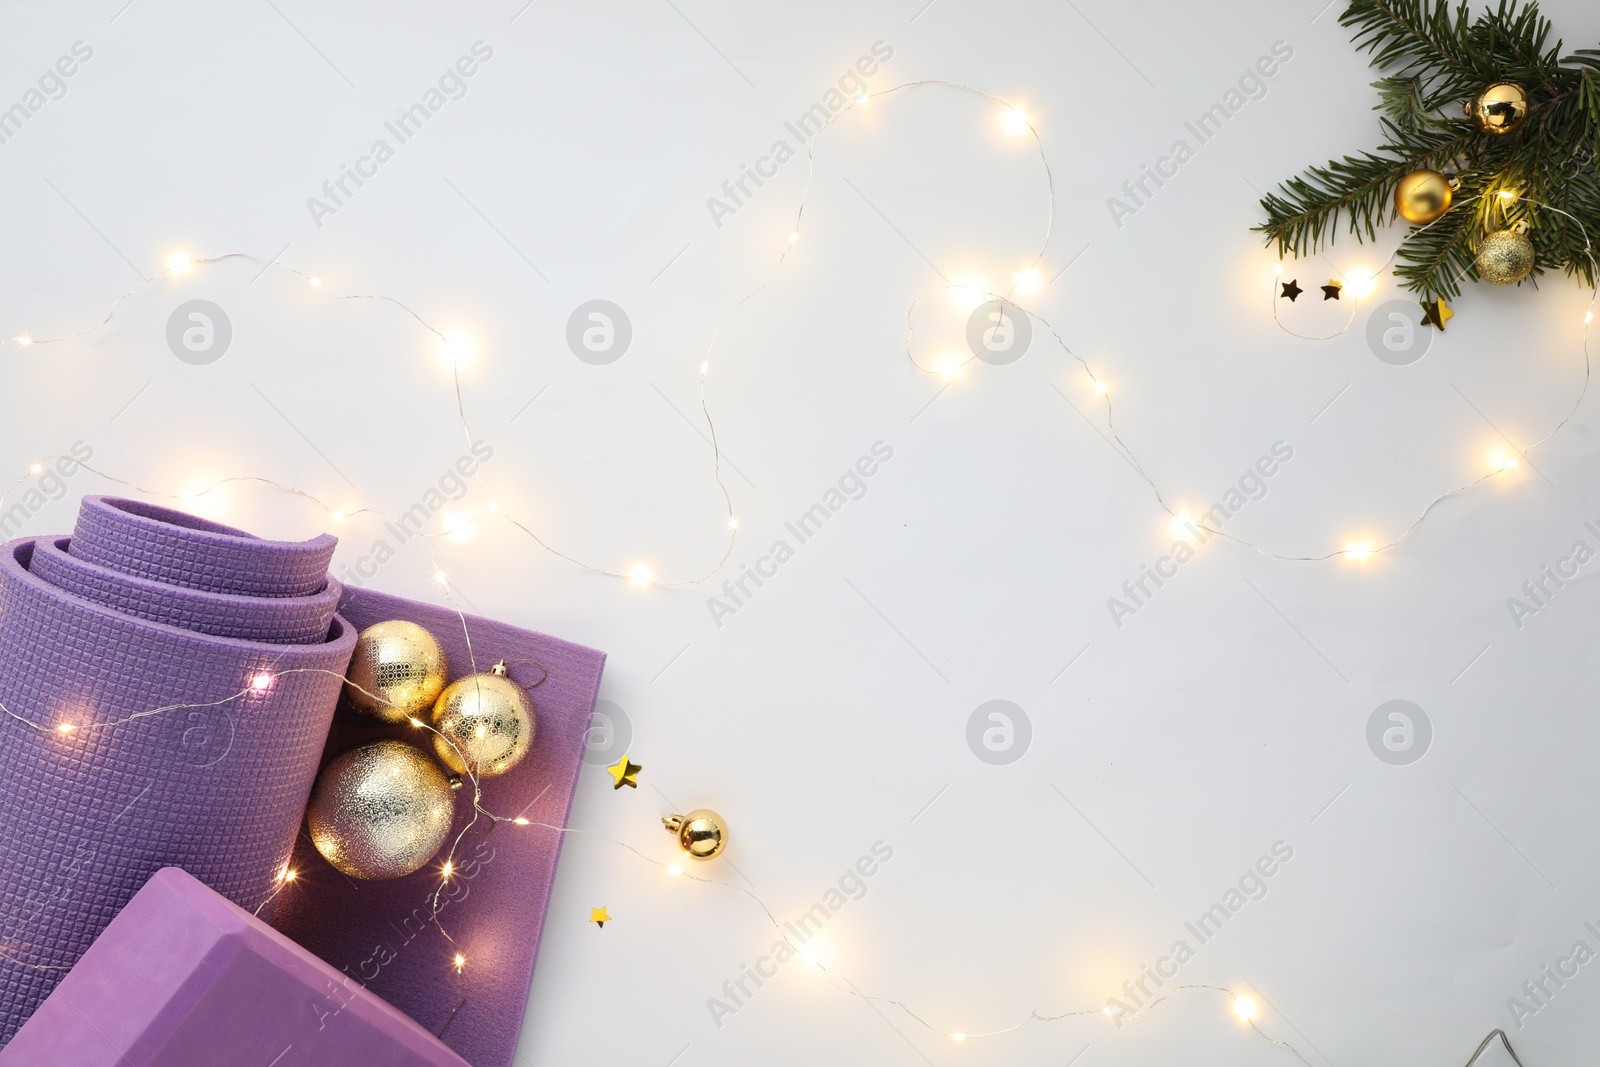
column 272, row 262
column 638, row 576
column 287, row 877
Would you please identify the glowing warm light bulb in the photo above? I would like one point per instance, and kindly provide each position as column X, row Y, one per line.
column 520, row 821
column 641, row 575
column 958, row 1037
column 449, row 868
column 461, row 961
column 1361, row 282
column 1244, row 1008
column 457, row 349
column 674, row 870
column 65, row 728
column 952, row 367
column 733, row 523
column 493, row 506
column 1358, row 550
column 459, row 527
column 1102, row 388
column 966, row 294
column 1278, row 270
column 288, row 874
column 1588, row 317
column 179, row 263
column 316, row 282
column 415, row 722
column 1509, row 463
column 441, row 577
column 1185, row 526
column 1028, row 281
column 795, row 236
column 24, row 341
column 261, row 682
column 36, row 468
column 1507, row 194
column 1014, row 121
column 705, row 368
column 336, row 516
column 1110, row 1009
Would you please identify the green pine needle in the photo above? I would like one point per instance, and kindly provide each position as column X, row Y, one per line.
column 1435, row 58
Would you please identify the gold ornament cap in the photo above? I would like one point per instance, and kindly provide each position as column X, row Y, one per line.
column 1499, row 109
column 702, row 834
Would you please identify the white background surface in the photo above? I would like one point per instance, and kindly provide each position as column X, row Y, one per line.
column 832, row 708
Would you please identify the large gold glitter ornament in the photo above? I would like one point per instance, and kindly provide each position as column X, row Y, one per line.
column 1506, row 257
column 487, row 718
column 397, row 671
column 1422, row 196
column 1499, row 109
column 381, row 810
column 702, row 833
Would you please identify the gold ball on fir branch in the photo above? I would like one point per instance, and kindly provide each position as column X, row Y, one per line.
column 1506, row 257
column 1423, row 196
column 397, row 672
column 702, row 834
column 1499, row 109
column 381, row 810
column 488, row 718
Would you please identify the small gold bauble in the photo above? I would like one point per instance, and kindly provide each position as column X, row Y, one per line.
column 702, row 833
column 1499, row 109
column 486, row 717
column 381, row 810
column 1506, row 257
column 397, row 671
column 1422, row 196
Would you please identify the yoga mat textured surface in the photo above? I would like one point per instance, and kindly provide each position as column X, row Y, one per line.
column 379, row 932
column 90, row 815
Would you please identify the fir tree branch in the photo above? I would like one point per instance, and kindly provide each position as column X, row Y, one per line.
column 1435, row 56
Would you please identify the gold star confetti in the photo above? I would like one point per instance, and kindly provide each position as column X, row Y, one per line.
column 625, row 772
column 1331, row 290
column 1436, row 313
column 599, row 916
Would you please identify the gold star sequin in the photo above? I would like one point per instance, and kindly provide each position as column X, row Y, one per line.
column 599, row 916
column 1436, row 313
column 625, row 772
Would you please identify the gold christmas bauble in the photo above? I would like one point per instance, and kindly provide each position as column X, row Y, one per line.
column 1499, row 109
column 488, row 718
column 702, row 833
column 397, row 671
column 381, row 810
column 1422, row 196
column 1506, row 257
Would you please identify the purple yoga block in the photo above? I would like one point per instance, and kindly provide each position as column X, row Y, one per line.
column 184, row 978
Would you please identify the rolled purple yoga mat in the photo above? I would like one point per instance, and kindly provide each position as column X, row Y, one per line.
column 144, row 609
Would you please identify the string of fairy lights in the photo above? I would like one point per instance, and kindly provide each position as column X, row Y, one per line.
column 1024, row 283
column 1015, row 121
column 1243, row 1006
column 261, row 682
